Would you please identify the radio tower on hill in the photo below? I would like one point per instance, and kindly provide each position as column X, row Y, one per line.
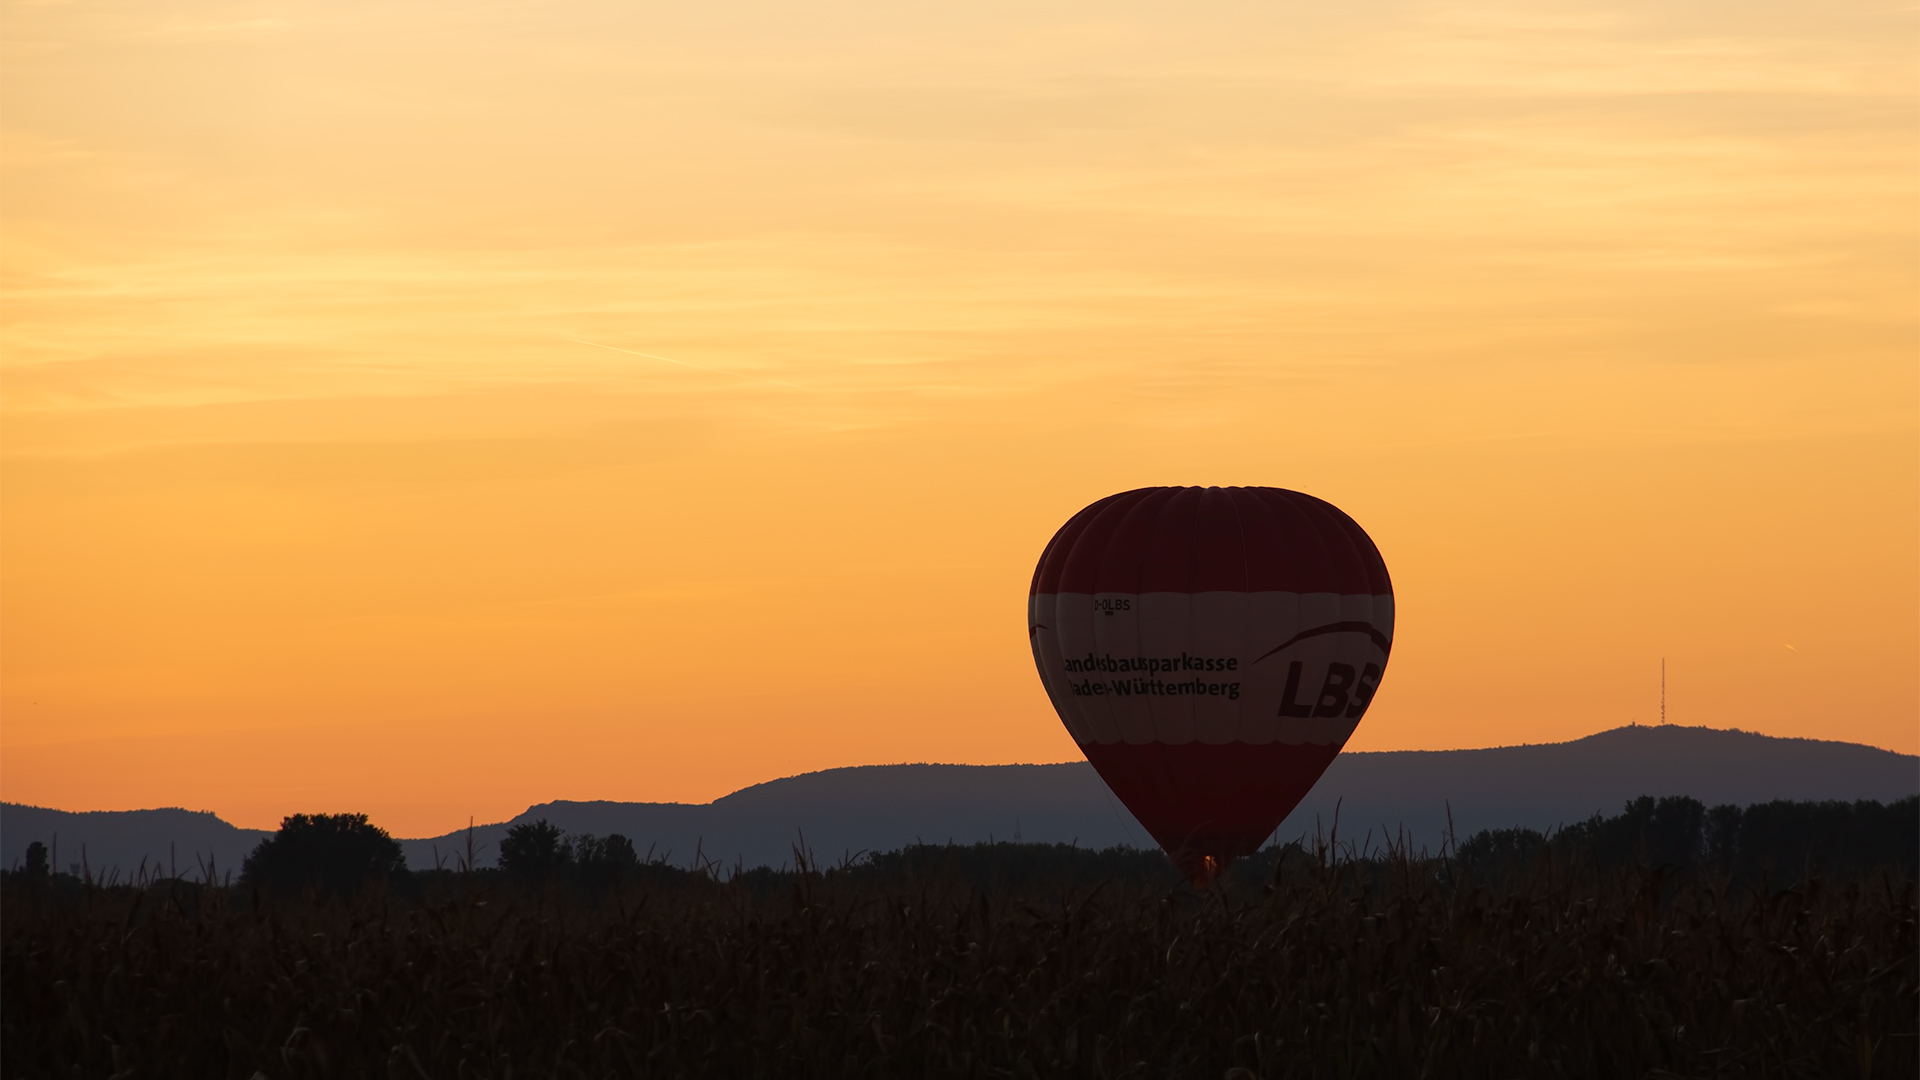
column 1663, row 691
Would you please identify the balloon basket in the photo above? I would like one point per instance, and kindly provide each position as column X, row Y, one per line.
column 1202, row 870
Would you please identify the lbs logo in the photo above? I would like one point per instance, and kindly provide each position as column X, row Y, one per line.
column 1343, row 692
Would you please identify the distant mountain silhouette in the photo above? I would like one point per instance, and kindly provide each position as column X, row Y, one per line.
column 841, row 812
column 105, row 842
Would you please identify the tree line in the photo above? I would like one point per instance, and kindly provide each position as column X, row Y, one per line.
column 1780, row 838
column 341, row 854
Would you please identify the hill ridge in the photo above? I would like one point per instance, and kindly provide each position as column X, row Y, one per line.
column 852, row 808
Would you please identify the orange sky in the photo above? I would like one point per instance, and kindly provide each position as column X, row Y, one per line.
column 1600, row 317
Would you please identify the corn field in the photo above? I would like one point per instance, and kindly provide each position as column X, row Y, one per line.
column 1321, row 968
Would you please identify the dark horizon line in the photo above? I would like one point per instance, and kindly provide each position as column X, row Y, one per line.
column 999, row 765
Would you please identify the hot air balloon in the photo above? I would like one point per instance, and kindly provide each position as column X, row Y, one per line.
column 1210, row 650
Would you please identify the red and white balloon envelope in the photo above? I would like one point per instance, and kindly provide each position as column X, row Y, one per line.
column 1211, row 650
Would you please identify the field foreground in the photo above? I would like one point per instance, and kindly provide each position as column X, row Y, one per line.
column 1316, row 968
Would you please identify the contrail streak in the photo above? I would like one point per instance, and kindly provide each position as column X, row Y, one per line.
column 683, row 363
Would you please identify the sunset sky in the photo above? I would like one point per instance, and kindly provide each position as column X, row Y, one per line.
column 431, row 409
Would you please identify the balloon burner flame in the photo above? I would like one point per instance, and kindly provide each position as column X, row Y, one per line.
column 1206, row 869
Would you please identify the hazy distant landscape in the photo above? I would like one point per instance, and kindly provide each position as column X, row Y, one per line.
column 1670, row 938
column 843, row 812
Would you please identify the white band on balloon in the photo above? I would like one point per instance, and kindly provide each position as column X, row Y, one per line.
column 1212, row 667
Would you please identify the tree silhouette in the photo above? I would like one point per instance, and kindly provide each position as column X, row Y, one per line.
column 333, row 854
column 535, row 852
column 37, row 869
column 604, row 861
